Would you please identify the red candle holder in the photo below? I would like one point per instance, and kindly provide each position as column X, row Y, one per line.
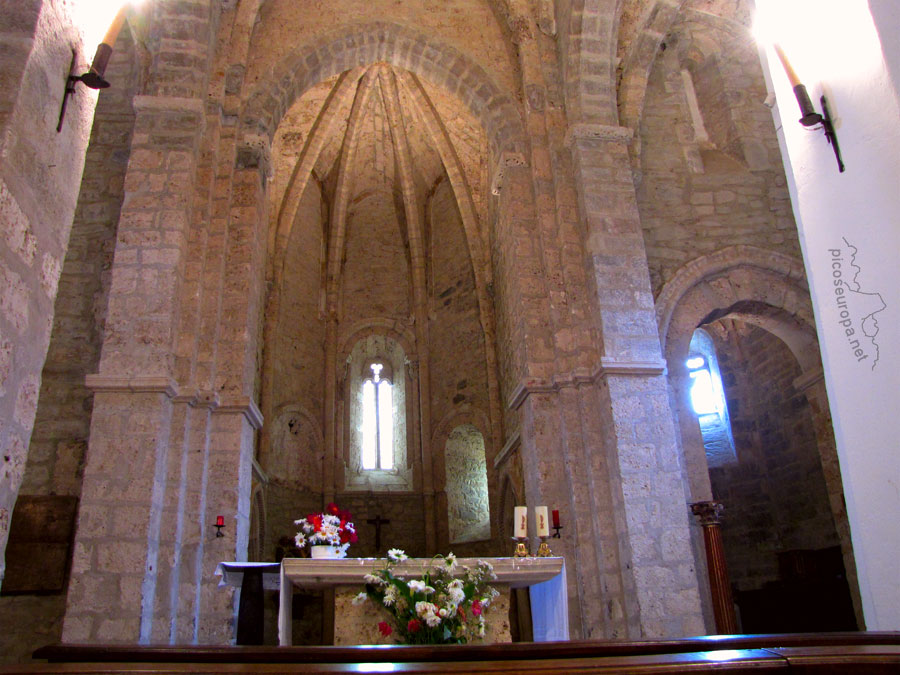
column 220, row 523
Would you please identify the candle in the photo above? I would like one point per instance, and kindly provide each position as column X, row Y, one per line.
column 791, row 73
column 220, row 521
column 520, row 521
column 113, row 32
column 543, row 525
column 555, row 517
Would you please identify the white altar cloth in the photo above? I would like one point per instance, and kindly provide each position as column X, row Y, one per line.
column 549, row 607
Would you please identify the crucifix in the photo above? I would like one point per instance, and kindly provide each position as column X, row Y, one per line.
column 378, row 521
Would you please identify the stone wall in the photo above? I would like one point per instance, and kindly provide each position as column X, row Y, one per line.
column 709, row 173
column 774, row 495
column 40, row 174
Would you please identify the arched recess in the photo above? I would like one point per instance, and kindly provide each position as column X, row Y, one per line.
column 479, row 421
column 768, row 290
column 373, row 63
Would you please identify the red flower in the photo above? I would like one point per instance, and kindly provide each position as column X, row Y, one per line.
column 345, row 516
column 414, row 626
column 476, row 608
column 333, row 509
column 385, row 628
column 462, row 613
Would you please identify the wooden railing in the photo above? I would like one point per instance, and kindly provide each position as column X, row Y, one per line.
column 831, row 653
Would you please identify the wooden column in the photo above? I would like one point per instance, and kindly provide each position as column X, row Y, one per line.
column 709, row 514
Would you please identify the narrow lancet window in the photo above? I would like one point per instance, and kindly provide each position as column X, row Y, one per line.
column 377, row 421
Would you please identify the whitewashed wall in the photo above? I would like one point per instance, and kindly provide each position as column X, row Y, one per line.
column 850, row 234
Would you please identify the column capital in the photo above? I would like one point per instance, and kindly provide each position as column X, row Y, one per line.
column 708, row 513
column 587, row 131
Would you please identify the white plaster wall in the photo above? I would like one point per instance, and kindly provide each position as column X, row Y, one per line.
column 839, row 52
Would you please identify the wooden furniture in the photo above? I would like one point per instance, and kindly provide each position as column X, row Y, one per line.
column 251, row 578
column 813, row 654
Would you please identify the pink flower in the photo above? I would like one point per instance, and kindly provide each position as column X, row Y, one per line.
column 414, row 626
column 476, row 608
column 385, row 628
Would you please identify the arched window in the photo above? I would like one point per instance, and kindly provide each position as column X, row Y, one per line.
column 708, row 400
column 377, row 419
column 376, row 389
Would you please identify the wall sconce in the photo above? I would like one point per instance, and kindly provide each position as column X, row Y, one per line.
column 220, row 523
column 810, row 117
column 93, row 78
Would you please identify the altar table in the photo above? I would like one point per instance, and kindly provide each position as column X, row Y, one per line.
column 545, row 577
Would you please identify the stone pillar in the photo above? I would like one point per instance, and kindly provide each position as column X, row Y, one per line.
column 709, row 514
column 639, row 433
column 116, row 564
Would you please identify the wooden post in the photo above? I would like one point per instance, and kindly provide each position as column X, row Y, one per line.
column 709, row 514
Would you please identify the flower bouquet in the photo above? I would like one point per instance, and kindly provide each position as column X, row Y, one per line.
column 439, row 608
column 328, row 534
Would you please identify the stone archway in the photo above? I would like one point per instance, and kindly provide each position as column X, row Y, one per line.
column 765, row 290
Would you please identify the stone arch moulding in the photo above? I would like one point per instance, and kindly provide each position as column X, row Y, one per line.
column 724, row 278
column 401, row 47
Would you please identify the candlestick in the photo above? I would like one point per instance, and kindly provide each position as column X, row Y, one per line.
column 544, row 549
column 788, row 68
column 220, row 523
column 520, row 521
column 521, row 551
column 540, row 517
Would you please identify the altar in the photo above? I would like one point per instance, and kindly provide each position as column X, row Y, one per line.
column 357, row 624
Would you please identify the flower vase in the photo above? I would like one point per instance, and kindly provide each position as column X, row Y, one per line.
column 326, row 552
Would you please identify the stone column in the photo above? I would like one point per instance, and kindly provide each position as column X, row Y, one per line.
column 116, row 564
column 709, row 514
column 638, row 424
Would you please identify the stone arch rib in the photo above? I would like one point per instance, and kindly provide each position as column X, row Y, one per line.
column 703, row 268
column 398, row 46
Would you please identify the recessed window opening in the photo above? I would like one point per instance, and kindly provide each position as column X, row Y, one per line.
column 377, row 421
column 707, row 396
column 704, row 397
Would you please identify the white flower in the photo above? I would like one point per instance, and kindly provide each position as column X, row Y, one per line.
column 396, row 555
column 456, row 593
column 417, row 586
column 300, row 540
column 423, row 608
column 390, row 596
column 442, row 612
column 372, row 579
column 359, row 599
column 432, row 620
column 451, row 562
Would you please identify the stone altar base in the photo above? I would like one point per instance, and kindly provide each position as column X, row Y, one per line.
column 358, row 624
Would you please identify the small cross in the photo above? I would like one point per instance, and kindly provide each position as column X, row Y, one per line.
column 378, row 521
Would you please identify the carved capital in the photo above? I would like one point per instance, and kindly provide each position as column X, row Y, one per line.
column 708, row 513
column 585, row 131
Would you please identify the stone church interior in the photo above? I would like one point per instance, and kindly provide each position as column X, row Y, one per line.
column 428, row 261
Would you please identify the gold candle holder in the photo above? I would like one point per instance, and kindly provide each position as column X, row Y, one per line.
column 521, row 551
column 544, row 549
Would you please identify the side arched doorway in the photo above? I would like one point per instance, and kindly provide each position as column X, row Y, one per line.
column 785, row 529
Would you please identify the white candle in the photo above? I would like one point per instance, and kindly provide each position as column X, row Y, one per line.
column 540, row 517
column 520, row 521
